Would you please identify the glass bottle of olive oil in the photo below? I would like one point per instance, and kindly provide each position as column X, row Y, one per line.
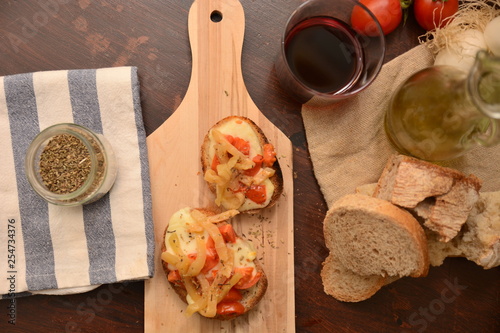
column 441, row 112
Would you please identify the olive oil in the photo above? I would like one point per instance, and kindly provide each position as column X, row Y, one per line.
column 432, row 116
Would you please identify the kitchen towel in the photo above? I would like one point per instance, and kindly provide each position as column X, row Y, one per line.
column 347, row 140
column 55, row 249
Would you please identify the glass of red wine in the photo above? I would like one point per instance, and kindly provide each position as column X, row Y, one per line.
column 323, row 57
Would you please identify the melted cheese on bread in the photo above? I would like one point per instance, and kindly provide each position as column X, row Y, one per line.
column 181, row 221
column 243, row 130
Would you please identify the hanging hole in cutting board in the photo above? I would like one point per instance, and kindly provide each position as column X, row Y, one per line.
column 216, row 16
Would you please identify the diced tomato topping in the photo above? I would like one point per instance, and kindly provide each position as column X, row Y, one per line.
column 215, row 163
column 258, row 159
column 175, row 277
column 228, row 233
column 269, row 155
column 247, row 280
column 226, row 308
column 211, row 260
column 257, row 193
column 239, row 143
column 233, row 295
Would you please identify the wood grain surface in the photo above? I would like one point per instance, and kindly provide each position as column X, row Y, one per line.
column 217, row 90
column 153, row 35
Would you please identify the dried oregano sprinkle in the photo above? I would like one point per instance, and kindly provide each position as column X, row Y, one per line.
column 64, row 164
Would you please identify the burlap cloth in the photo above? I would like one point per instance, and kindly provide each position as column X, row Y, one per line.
column 347, row 140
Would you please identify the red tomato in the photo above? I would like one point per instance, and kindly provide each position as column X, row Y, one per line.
column 215, row 163
column 175, row 277
column 211, row 260
column 258, row 159
column 269, row 155
column 388, row 13
column 228, row 233
column 434, row 13
column 247, row 280
column 239, row 143
column 225, row 308
column 257, row 193
column 233, row 295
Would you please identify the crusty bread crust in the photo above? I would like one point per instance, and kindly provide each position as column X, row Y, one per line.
column 410, row 183
column 276, row 179
column 251, row 296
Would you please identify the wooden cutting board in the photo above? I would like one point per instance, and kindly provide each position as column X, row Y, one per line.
column 216, row 90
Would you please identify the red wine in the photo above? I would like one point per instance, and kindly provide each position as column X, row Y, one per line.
column 324, row 54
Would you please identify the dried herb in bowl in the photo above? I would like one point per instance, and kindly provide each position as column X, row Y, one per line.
column 64, row 164
column 68, row 164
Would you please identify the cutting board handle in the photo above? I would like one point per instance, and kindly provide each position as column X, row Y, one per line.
column 216, row 32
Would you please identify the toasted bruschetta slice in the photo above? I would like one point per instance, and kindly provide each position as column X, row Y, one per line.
column 240, row 165
column 212, row 269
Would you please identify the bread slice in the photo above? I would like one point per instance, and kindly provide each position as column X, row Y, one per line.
column 371, row 236
column 442, row 196
column 246, row 129
column 479, row 239
column 345, row 285
column 251, row 296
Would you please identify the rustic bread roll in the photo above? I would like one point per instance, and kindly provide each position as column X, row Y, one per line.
column 444, row 197
column 240, row 165
column 242, row 253
column 371, row 236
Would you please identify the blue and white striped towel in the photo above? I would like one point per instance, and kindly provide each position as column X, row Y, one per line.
column 48, row 247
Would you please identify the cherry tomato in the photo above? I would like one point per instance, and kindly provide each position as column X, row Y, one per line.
column 233, row 295
column 215, row 163
column 239, row 143
column 258, row 159
column 228, row 233
column 434, row 13
column 175, row 277
column 269, row 155
column 247, row 280
column 211, row 260
column 388, row 13
column 225, row 308
column 257, row 193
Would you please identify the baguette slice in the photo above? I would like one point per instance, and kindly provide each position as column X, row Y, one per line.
column 371, row 236
column 251, row 296
column 345, row 285
column 233, row 187
column 444, row 197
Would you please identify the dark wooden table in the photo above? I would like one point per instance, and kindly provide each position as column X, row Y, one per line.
column 152, row 35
